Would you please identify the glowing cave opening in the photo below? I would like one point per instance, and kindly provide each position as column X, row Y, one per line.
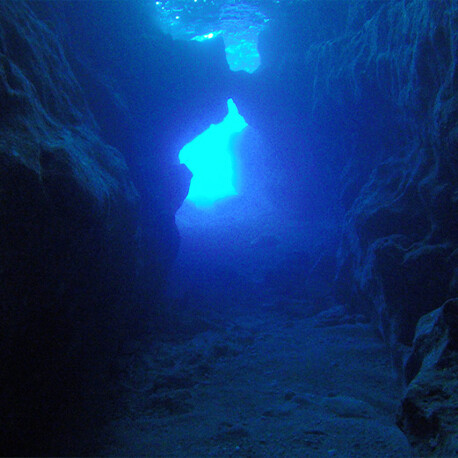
column 209, row 157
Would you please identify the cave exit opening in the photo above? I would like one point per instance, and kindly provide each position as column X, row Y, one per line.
column 210, row 157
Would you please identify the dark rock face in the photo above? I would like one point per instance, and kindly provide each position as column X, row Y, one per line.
column 86, row 230
column 150, row 96
column 68, row 242
column 400, row 232
column 430, row 406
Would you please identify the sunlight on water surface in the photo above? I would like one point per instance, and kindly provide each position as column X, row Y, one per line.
column 237, row 22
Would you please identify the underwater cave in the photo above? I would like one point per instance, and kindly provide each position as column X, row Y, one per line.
column 229, row 228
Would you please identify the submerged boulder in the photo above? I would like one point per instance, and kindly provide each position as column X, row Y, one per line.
column 429, row 409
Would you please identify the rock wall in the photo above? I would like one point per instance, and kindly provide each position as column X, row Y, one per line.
column 376, row 110
column 94, row 108
column 149, row 96
column 403, row 224
column 430, row 406
column 365, row 119
column 312, row 101
column 69, row 221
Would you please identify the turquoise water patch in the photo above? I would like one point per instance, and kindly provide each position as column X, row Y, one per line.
column 242, row 54
column 209, row 157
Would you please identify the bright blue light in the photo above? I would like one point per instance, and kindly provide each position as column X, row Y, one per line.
column 208, row 157
column 242, row 54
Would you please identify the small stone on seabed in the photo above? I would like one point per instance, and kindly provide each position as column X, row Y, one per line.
column 289, row 395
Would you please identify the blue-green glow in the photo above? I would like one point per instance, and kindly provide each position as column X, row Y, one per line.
column 241, row 53
column 207, row 36
column 209, row 157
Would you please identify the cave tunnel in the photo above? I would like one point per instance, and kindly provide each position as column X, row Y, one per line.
column 296, row 296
